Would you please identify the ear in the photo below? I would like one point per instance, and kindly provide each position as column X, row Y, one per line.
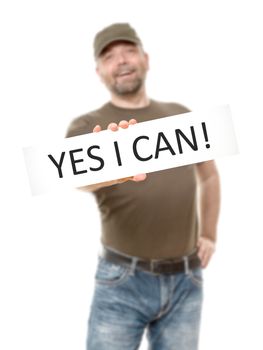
column 98, row 71
column 147, row 60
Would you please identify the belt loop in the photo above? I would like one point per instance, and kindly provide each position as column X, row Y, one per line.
column 152, row 265
column 186, row 265
column 133, row 265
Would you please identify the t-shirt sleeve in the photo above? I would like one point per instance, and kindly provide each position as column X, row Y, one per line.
column 79, row 126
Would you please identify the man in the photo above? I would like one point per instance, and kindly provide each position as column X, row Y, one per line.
column 155, row 241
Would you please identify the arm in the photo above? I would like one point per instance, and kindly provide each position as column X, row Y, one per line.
column 209, row 184
column 114, row 127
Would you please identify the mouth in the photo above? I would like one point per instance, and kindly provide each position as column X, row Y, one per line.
column 125, row 73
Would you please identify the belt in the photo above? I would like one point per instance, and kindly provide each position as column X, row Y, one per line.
column 158, row 266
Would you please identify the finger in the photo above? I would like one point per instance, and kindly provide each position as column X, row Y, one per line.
column 132, row 121
column 97, row 128
column 201, row 257
column 124, row 179
column 113, row 127
column 139, row 177
column 201, row 253
column 206, row 259
column 209, row 254
column 123, row 124
column 136, row 178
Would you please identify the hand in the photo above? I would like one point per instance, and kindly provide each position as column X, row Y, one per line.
column 124, row 124
column 206, row 249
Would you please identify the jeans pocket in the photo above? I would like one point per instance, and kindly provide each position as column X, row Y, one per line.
column 111, row 274
column 196, row 276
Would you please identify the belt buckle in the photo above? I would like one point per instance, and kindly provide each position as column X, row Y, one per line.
column 157, row 263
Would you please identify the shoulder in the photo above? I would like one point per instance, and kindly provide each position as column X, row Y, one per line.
column 79, row 126
column 171, row 108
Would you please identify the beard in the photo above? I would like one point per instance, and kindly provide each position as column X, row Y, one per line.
column 127, row 85
column 127, row 88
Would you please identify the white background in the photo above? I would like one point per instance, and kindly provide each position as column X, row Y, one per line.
column 202, row 54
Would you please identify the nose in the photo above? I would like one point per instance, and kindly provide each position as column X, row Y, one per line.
column 121, row 58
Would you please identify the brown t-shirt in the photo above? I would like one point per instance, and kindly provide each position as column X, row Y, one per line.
column 155, row 218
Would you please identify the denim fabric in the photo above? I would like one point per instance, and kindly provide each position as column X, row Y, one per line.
column 127, row 300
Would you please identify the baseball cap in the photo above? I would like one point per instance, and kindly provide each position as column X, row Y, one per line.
column 114, row 32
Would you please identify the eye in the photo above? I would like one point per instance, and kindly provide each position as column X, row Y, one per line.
column 108, row 56
column 131, row 49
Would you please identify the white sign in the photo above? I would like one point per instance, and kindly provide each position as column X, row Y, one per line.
column 142, row 148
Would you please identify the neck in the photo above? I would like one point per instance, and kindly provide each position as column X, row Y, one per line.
column 138, row 100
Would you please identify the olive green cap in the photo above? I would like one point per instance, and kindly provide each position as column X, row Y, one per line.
column 114, row 32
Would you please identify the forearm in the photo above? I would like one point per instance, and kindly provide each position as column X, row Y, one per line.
column 209, row 206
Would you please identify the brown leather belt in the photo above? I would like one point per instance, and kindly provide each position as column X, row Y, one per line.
column 158, row 266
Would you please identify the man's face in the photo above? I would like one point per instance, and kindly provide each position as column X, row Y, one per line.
column 122, row 66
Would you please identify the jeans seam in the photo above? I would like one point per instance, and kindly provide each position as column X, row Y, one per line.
column 196, row 281
column 118, row 281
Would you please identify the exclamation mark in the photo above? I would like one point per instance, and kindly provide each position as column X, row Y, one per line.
column 205, row 135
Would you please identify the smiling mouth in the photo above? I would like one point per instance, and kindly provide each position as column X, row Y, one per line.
column 125, row 73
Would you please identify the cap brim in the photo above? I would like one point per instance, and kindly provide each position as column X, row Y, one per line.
column 119, row 38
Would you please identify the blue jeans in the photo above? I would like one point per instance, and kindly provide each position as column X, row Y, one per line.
column 127, row 300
